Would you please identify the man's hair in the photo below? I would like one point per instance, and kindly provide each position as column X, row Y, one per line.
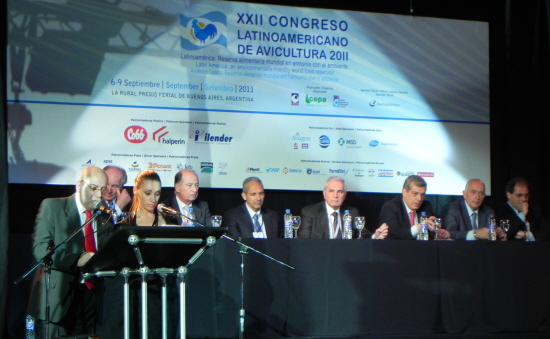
column 251, row 179
column 418, row 181
column 179, row 175
column 470, row 181
column 336, row 178
column 122, row 170
column 513, row 182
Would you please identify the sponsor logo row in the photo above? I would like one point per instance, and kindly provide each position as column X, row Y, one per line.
column 138, row 134
column 324, row 141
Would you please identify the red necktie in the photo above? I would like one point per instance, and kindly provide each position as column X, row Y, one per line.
column 411, row 218
column 89, row 241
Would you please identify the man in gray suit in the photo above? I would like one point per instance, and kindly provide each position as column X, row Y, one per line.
column 467, row 218
column 73, row 308
column 324, row 220
column 186, row 186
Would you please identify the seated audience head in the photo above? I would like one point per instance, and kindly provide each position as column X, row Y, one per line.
column 414, row 190
column 474, row 193
column 147, row 188
column 253, row 193
column 91, row 185
column 117, row 178
column 517, row 192
column 335, row 191
column 186, row 184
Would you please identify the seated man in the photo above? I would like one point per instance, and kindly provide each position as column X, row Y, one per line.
column 468, row 218
column 526, row 223
column 402, row 213
column 324, row 219
column 251, row 220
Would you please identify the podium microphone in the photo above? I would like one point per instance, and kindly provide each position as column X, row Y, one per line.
column 165, row 209
column 102, row 208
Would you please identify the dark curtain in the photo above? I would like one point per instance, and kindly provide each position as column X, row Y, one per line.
column 519, row 57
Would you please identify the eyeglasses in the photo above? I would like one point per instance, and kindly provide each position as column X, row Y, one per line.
column 95, row 188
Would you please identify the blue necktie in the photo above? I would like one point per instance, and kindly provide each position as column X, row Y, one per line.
column 335, row 229
column 257, row 226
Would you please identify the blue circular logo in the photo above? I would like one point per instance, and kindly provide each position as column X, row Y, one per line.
column 324, row 141
column 374, row 143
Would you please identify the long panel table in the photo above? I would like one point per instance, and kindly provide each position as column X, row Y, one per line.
column 370, row 287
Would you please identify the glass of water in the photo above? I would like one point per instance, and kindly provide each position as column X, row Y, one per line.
column 437, row 226
column 216, row 220
column 296, row 222
column 359, row 223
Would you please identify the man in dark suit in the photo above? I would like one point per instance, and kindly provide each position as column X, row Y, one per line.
column 251, row 220
column 402, row 213
column 526, row 223
column 186, row 186
column 324, row 220
column 467, row 218
column 73, row 306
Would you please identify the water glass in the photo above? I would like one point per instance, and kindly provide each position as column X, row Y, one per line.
column 359, row 223
column 216, row 220
column 437, row 226
column 296, row 221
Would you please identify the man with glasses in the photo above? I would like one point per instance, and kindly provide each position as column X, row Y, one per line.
column 116, row 195
column 402, row 214
column 468, row 218
column 526, row 223
column 72, row 303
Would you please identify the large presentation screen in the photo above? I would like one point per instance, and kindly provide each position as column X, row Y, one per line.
column 289, row 94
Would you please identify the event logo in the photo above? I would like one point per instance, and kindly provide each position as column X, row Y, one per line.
column 324, row 141
column 295, row 99
column 336, row 101
column 374, row 143
column 315, row 101
column 135, row 134
column 199, row 32
column 207, row 167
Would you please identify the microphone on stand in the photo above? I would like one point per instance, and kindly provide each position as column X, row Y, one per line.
column 101, row 207
column 165, row 209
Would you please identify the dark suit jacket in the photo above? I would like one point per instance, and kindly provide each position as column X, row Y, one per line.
column 202, row 212
column 239, row 224
column 56, row 220
column 458, row 221
column 315, row 222
column 394, row 214
column 538, row 225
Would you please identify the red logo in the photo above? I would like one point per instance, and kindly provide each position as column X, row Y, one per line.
column 159, row 133
column 135, row 134
column 426, row 174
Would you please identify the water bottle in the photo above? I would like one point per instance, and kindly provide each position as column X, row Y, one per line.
column 423, row 234
column 112, row 206
column 288, row 225
column 346, row 230
column 492, row 225
column 29, row 327
column 191, row 223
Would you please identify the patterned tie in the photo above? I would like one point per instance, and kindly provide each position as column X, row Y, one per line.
column 474, row 221
column 257, row 226
column 89, row 241
column 411, row 218
column 335, row 227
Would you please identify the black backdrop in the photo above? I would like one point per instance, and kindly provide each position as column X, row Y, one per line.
column 519, row 68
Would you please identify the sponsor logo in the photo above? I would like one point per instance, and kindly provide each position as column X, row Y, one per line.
column 372, row 103
column 425, row 174
column 134, row 167
column 159, row 136
column 298, row 137
column 185, row 166
column 197, row 134
column 371, row 172
column 285, row 170
column 295, row 99
column 272, row 170
column 336, row 101
column 160, row 167
column 135, row 134
column 202, row 31
column 324, row 141
column 305, row 146
column 88, row 163
column 295, row 145
column 206, row 138
column 221, row 168
column 253, row 169
column 311, row 171
column 337, row 171
column 207, row 167
column 374, row 143
column 384, row 173
column 315, row 101
column 358, row 172
column 404, row 174
column 341, row 141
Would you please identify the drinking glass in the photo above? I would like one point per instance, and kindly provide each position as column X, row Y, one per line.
column 296, row 221
column 216, row 220
column 437, row 226
column 359, row 224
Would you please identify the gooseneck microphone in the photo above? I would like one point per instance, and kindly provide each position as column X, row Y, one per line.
column 165, row 209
